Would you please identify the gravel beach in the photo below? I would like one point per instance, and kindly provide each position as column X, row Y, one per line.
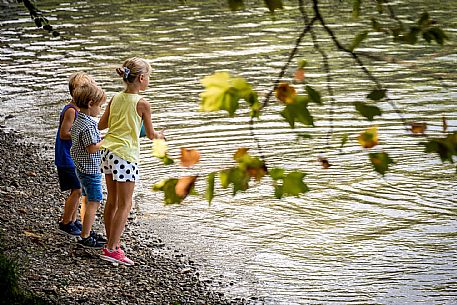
column 56, row 268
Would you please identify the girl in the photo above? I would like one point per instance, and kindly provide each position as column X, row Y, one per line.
column 123, row 117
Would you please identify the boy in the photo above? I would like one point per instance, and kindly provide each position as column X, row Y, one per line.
column 65, row 166
column 86, row 155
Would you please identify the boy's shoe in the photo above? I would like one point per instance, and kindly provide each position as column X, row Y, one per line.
column 116, row 256
column 78, row 224
column 69, row 229
column 98, row 237
column 90, row 242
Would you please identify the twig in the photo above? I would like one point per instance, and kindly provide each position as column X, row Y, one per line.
column 355, row 57
column 326, row 67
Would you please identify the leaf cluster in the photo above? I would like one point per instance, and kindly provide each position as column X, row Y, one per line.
column 38, row 18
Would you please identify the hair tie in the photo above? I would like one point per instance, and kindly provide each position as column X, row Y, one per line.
column 126, row 73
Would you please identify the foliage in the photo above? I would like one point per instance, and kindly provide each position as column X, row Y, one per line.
column 38, row 17
column 10, row 291
column 224, row 92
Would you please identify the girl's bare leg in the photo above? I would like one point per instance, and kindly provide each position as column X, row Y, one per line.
column 111, row 205
column 124, row 201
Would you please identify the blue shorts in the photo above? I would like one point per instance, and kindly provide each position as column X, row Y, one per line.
column 68, row 179
column 91, row 186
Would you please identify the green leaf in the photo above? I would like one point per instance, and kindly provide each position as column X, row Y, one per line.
column 236, row 176
column 209, row 195
column 344, row 139
column 302, row 63
column 168, row 187
column 293, row 184
column 377, row 95
column 279, row 191
column 357, row 40
column 356, row 5
column 424, row 20
column 376, row 25
column 436, row 34
column 167, row 160
column 223, row 92
column 298, row 112
column 314, row 95
column 276, row 173
column 411, row 37
column 367, row 111
column 236, row 5
column 273, row 4
column 380, row 162
column 253, row 100
column 446, row 147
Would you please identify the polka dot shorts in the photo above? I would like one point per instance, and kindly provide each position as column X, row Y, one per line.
column 122, row 171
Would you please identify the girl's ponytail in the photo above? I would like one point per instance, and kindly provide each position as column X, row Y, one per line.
column 133, row 67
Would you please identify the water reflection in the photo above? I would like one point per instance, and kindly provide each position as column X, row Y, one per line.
column 355, row 237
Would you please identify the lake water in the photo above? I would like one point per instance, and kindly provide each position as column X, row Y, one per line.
column 356, row 237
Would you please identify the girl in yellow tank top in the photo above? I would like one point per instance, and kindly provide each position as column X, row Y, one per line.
column 123, row 117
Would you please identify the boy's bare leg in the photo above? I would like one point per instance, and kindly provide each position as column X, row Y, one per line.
column 89, row 218
column 71, row 206
column 82, row 210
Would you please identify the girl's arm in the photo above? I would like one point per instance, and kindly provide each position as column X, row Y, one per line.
column 144, row 110
column 103, row 123
column 68, row 119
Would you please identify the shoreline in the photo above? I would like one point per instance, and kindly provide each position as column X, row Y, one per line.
column 56, row 268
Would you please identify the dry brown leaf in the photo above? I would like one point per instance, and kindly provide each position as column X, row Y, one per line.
column 418, row 128
column 184, row 185
column 240, row 152
column 189, row 157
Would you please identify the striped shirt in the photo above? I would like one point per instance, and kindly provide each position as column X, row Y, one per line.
column 84, row 132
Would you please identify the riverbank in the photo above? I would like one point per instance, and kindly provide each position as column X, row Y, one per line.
column 56, row 268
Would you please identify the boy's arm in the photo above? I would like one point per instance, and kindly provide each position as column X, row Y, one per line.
column 103, row 123
column 93, row 148
column 68, row 119
column 91, row 140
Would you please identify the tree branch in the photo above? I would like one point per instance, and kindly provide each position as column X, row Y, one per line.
column 355, row 57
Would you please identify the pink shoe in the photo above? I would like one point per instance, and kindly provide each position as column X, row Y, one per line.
column 116, row 256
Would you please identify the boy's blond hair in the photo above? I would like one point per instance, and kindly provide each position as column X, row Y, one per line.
column 79, row 79
column 83, row 95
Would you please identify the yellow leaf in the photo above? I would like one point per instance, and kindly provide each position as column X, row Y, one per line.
column 159, row 148
column 369, row 138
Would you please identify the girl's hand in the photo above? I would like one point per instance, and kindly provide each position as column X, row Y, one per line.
column 160, row 134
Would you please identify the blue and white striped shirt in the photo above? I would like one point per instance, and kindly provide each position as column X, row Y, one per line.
column 84, row 132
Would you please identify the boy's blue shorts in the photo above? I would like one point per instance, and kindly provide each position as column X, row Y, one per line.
column 68, row 179
column 91, row 185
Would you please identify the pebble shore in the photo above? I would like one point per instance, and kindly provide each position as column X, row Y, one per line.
column 56, row 268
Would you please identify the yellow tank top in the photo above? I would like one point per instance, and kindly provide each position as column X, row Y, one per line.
column 124, row 124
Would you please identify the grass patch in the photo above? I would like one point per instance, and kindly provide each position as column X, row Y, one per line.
column 10, row 292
